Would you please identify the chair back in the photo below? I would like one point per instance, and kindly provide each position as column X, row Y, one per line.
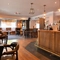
column 15, row 46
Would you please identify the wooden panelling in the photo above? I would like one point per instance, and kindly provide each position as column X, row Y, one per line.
column 49, row 40
column 57, row 43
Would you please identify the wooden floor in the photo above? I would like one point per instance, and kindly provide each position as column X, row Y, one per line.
column 24, row 54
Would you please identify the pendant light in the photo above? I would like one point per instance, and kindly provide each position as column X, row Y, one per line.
column 44, row 14
column 31, row 9
column 59, row 6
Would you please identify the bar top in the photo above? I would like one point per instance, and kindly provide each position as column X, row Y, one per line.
column 49, row 30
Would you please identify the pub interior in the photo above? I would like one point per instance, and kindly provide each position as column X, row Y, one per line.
column 30, row 30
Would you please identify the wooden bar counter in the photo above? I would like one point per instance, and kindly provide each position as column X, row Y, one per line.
column 49, row 40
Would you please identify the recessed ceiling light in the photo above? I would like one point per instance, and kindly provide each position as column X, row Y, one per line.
column 59, row 10
column 55, row 2
column 8, row 3
column 17, row 13
column 37, row 9
column 23, row 18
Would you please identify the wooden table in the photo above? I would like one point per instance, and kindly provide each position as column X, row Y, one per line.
column 4, row 37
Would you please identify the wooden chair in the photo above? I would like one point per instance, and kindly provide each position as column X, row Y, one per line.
column 34, row 33
column 0, row 29
column 14, row 46
column 8, row 29
column 1, row 50
column 12, row 33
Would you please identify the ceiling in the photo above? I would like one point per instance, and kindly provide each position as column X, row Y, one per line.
column 21, row 8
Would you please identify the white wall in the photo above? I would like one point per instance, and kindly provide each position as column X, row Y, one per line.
column 33, row 23
column 49, row 19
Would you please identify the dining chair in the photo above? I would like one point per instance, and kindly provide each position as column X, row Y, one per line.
column 1, row 50
column 14, row 49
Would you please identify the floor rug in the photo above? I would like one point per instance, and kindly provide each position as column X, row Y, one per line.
column 40, row 53
column 14, row 37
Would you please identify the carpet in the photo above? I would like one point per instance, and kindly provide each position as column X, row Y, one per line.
column 40, row 53
column 14, row 37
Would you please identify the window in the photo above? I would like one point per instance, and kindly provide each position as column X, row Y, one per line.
column 8, row 24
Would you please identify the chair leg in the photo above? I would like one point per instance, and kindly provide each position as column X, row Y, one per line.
column 0, row 58
column 17, row 55
column 6, row 48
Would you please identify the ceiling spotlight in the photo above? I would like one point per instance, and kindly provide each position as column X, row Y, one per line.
column 55, row 2
column 8, row 3
column 17, row 13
